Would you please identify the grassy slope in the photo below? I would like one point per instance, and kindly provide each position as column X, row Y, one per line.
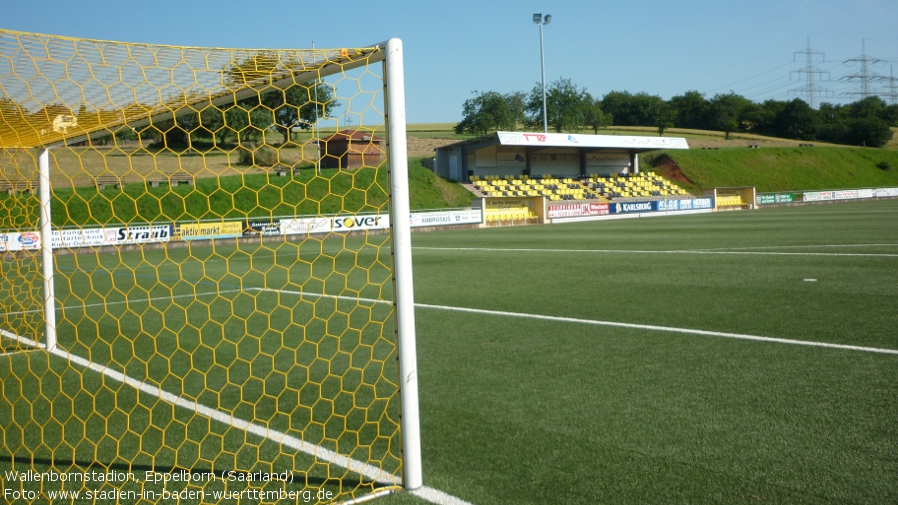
column 784, row 168
column 238, row 196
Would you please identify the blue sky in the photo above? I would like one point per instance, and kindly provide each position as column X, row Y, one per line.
column 452, row 48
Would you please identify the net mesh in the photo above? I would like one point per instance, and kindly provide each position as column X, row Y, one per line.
column 223, row 274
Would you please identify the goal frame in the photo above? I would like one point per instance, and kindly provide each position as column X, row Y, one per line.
column 391, row 55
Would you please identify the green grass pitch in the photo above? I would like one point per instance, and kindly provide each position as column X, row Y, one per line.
column 535, row 396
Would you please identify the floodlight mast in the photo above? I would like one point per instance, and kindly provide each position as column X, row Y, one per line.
column 543, row 20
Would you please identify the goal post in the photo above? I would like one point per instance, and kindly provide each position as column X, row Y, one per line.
column 402, row 250
column 208, row 253
column 49, row 291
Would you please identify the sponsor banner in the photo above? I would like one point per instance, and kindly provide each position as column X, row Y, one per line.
column 253, row 227
column 583, row 209
column 503, row 205
column 88, row 237
column 769, row 199
column 445, row 218
column 625, row 207
column 816, row 196
column 687, row 204
column 865, row 193
column 197, row 231
column 819, row 196
column 845, row 194
column 144, row 234
column 360, row 223
column 885, row 192
column 20, row 241
column 305, row 226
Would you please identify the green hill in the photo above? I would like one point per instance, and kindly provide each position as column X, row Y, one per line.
column 235, row 196
column 776, row 168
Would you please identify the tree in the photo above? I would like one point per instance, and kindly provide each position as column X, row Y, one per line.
column 248, row 120
column 212, row 121
column 869, row 107
column 665, row 117
column 518, row 103
column 867, row 131
column 691, row 109
column 640, row 109
column 761, row 118
column 596, row 118
column 297, row 106
column 798, row 120
column 566, row 105
column 487, row 111
column 725, row 112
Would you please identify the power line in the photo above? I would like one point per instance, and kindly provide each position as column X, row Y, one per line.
column 809, row 89
column 747, row 78
column 893, row 89
column 865, row 76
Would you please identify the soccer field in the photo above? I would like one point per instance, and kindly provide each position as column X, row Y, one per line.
column 615, row 361
column 716, row 358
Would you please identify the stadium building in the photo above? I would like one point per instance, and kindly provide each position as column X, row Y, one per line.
column 516, row 154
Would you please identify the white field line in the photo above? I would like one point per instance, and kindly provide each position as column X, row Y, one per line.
column 792, row 247
column 120, row 302
column 438, row 497
column 642, row 251
column 320, row 453
column 561, row 319
column 660, row 328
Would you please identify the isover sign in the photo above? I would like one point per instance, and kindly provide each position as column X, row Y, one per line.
column 361, row 223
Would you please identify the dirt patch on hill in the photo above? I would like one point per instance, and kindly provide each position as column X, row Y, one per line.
column 668, row 168
column 419, row 148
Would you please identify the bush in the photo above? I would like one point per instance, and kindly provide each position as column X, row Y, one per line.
column 884, row 165
column 263, row 156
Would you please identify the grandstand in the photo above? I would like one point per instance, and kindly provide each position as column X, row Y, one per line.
column 595, row 187
column 536, row 155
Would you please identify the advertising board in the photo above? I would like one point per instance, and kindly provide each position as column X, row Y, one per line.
column 360, row 223
column 20, row 241
column 503, row 205
column 305, row 226
column 770, row 199
column 445, row 218
column 74, row 238
column 253, row 227
column 821, row 196
column 199, row 231
column 686, row 204
column 580, row 209
column 628, row 207
column 143, row 234
column 885, row 192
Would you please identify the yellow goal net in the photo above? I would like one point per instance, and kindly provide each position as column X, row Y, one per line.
column 205, row 278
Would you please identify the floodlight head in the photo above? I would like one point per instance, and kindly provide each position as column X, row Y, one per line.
column 548, row 18
column 537, row 18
